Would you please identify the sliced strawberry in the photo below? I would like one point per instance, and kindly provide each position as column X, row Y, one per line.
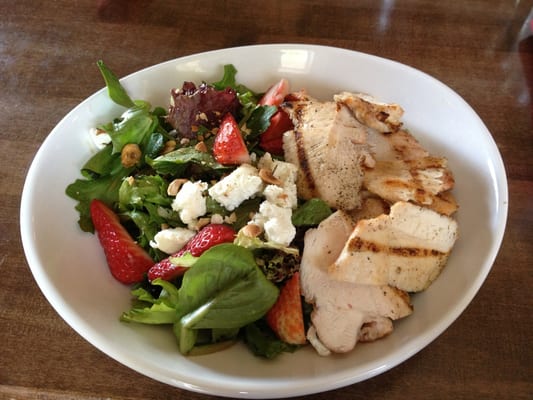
column 127, row 261
column 209, row 236
column 285, row 317
column 271, row 140
column 165, row 270
column 229, row 147
column 275, row 95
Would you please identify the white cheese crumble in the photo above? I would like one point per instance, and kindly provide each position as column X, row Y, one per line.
column 171, row 240
column 276, row 223
column 190, row 202
column 242, row 184
column 99, row 138
column 286, row 194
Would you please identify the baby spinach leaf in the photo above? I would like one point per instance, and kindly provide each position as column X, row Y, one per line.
column 312, row 212
column 263, row 342
column 176, row 162
column 224, row 289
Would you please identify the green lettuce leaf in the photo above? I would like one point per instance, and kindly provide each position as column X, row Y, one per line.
column 115, row 90
column 150, row 310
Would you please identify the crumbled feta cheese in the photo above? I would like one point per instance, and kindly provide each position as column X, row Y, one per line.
column 242, row 184
column 286, row 173
column 190, row 202
column 171, row 240
column 276, row 222
column 276, row 195
column 100, row 139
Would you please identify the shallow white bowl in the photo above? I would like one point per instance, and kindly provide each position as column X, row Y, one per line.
column 70, row 268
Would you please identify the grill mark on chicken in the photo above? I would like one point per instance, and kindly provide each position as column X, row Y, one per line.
column 303, row 161
column 358, row 244
column 406, row 249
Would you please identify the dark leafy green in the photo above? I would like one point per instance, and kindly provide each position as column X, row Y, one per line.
column 263, row 342
column 176, row 162
column 115, row 90
column 222, row 291
column 312, row 212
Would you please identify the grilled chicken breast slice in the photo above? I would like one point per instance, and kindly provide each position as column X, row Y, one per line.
column 406, row 249
column 421, row 181
column 330, row 148
column 369, row 111
column 343, row 312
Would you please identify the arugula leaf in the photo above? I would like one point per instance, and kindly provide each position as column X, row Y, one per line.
column 102, row 163
column 142, row 199
column 133, row 193
column 134, row 126
column 84, row 191
column 115, row 90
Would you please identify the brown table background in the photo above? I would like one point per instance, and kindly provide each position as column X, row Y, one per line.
column 48, row 51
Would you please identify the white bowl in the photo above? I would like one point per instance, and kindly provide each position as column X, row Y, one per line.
column 70, row 268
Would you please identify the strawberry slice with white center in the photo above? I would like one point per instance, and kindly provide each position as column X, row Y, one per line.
column 229, row 147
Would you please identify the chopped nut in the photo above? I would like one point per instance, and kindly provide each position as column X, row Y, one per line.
column 169, row 146
column 252, row 230
column 130, row 180
column 231, row 218
column 202, row 222
column 217, row 219
column 267, row 177
column 130, row 155
column 174, row 186
column 200, row 146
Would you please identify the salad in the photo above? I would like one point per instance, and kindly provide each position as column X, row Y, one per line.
column 205, row 208
column 196, row 209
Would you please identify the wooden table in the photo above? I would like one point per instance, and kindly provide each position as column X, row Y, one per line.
column 47, row 55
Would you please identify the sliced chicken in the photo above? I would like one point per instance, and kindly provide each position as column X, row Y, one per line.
column 399, row 145
column 330, row 148
column 371, row 207
column 375, row 114
column 406, row 249
column 421, row 181
column 343, row 312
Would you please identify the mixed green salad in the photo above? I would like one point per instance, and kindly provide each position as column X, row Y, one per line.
column 224, row 294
